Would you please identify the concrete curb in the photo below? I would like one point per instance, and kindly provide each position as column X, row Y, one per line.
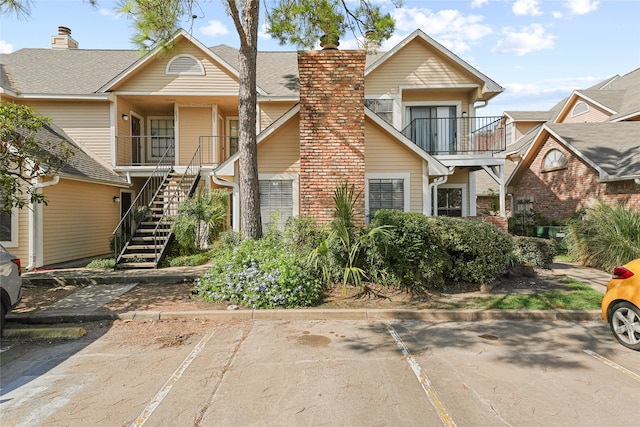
column 44, row 333
column 311, row 314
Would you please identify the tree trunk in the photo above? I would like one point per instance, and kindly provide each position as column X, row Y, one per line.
column 250, row 221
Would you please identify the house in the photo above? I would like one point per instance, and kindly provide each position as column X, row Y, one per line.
column 589, row 149
column 400, row 125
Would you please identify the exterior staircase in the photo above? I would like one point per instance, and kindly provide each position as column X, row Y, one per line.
column 142, row 238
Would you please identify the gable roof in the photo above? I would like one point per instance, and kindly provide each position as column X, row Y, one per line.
column 612, row 149
column 490, row 87
column 80, row 165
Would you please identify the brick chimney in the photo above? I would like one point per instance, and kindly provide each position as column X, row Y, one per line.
column 63, row 39
column 331, row 129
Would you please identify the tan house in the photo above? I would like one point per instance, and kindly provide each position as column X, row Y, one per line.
column 589, row 149
column 400, row 125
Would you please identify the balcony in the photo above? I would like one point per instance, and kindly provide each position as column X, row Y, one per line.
column 147, row 150
column 458, row 135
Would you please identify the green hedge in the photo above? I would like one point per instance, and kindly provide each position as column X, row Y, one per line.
column 534, row 251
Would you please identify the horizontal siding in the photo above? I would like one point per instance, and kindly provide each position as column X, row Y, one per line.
column 193, row 123
column 87, row 123
column 417, row 64
column 272, row 111
column 385, row 155
column 594, row 115
column 280, row 153
column 153, row 78
column 78, row 221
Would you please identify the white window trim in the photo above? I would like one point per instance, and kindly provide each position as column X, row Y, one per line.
column 13, row 243
column 201, row 71
column 227, row 136
column 406, row 105
column 573, row 114
column 295, row 187
column 175, row 132
column 465, row 197
column 405, row 176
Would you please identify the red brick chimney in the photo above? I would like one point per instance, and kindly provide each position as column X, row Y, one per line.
column 331, row 129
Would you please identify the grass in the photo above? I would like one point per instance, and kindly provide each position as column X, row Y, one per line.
column 102, row 263
column 579, row 297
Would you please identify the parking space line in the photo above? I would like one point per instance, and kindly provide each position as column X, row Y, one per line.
column 423, row 379
column 144, row 416
column 613, row 365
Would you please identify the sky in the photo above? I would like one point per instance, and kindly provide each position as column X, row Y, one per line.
column 538, row 50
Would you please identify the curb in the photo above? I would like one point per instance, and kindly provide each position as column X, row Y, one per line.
column 44, row 333
column 311, row 314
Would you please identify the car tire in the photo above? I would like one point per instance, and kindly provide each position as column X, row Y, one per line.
column 625, row 324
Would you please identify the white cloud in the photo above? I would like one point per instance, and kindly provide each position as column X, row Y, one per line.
column 581, row 7
column 527, row 40
column 478, row 3
column 449, row 27
column 5, row 47
column 526, row 7
column 557, row 14
column 263, row 32
column 214, row 28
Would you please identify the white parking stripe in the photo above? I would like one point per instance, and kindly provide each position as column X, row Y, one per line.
column 144, row 416
column 423, row 379
column 613, row 365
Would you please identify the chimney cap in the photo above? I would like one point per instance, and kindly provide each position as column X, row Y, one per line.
column 64, row 31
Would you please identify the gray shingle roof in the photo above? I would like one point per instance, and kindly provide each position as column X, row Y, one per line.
column 63, row 71
column 80, row 164
column 613, row 147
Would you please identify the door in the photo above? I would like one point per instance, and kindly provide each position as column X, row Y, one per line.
column 136, row 148
column 433, row 128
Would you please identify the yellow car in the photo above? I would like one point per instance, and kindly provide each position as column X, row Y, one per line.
column 621, row 302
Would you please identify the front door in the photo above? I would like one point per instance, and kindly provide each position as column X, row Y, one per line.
column 136, row 149
column 433, row 128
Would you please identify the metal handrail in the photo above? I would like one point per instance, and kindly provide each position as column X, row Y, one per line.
column 139, row 208
column 457, row 135
column 160, row 235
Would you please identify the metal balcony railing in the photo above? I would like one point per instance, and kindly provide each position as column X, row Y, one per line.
column 146, row 150
column 458, row 135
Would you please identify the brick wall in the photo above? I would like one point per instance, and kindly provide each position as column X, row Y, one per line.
column 557, row 194
column 331, row 129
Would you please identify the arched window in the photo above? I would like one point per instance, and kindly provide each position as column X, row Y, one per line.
column 554, row 159
column 185, row 64
column 580, row 108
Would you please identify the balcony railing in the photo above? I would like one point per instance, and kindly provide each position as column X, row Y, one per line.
column 458, row 135
column 146, row 150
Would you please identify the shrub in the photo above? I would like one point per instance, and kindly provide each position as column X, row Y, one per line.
column 102, row 263
column 479, row 252
column 188, row 260
column 260, row 274
column 605, row 236
column 534, row 251
column 414, row 257
column 200, row 220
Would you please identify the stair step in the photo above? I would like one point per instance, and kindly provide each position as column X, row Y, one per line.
column 139, row 255
column 152, row 230
column 137, row 265
column 144, row 247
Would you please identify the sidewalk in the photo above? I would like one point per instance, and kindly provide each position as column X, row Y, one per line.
column 102, row 286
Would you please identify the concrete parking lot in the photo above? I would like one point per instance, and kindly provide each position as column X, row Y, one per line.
column 323, row 372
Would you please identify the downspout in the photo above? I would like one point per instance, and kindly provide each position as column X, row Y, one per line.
column 235, row 199
column 33, row 221
column 434, row 194
column 480, row 106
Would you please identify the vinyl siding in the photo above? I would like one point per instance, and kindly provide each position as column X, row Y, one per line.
column 193, row 123
column 153, row 78
column 594, row 115
column 87, row 123
column 78, row 221
column 271, row 111
column 385, row 155
column 280, row 152
column 415, row 65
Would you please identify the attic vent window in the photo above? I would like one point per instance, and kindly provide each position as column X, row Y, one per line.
column 580, row 108
column 554, row 159
column 185, row 64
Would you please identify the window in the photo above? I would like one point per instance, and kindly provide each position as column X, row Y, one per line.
column 382, row 107
column 162, row 137
column 9, row 227
column 276, row 202
column 185, row 64
column 554, row 159
column 580, row 108
column 450, row 201
column 387, row 191
column 234, row 132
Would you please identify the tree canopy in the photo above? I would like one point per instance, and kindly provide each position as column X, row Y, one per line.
column 25, row 156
